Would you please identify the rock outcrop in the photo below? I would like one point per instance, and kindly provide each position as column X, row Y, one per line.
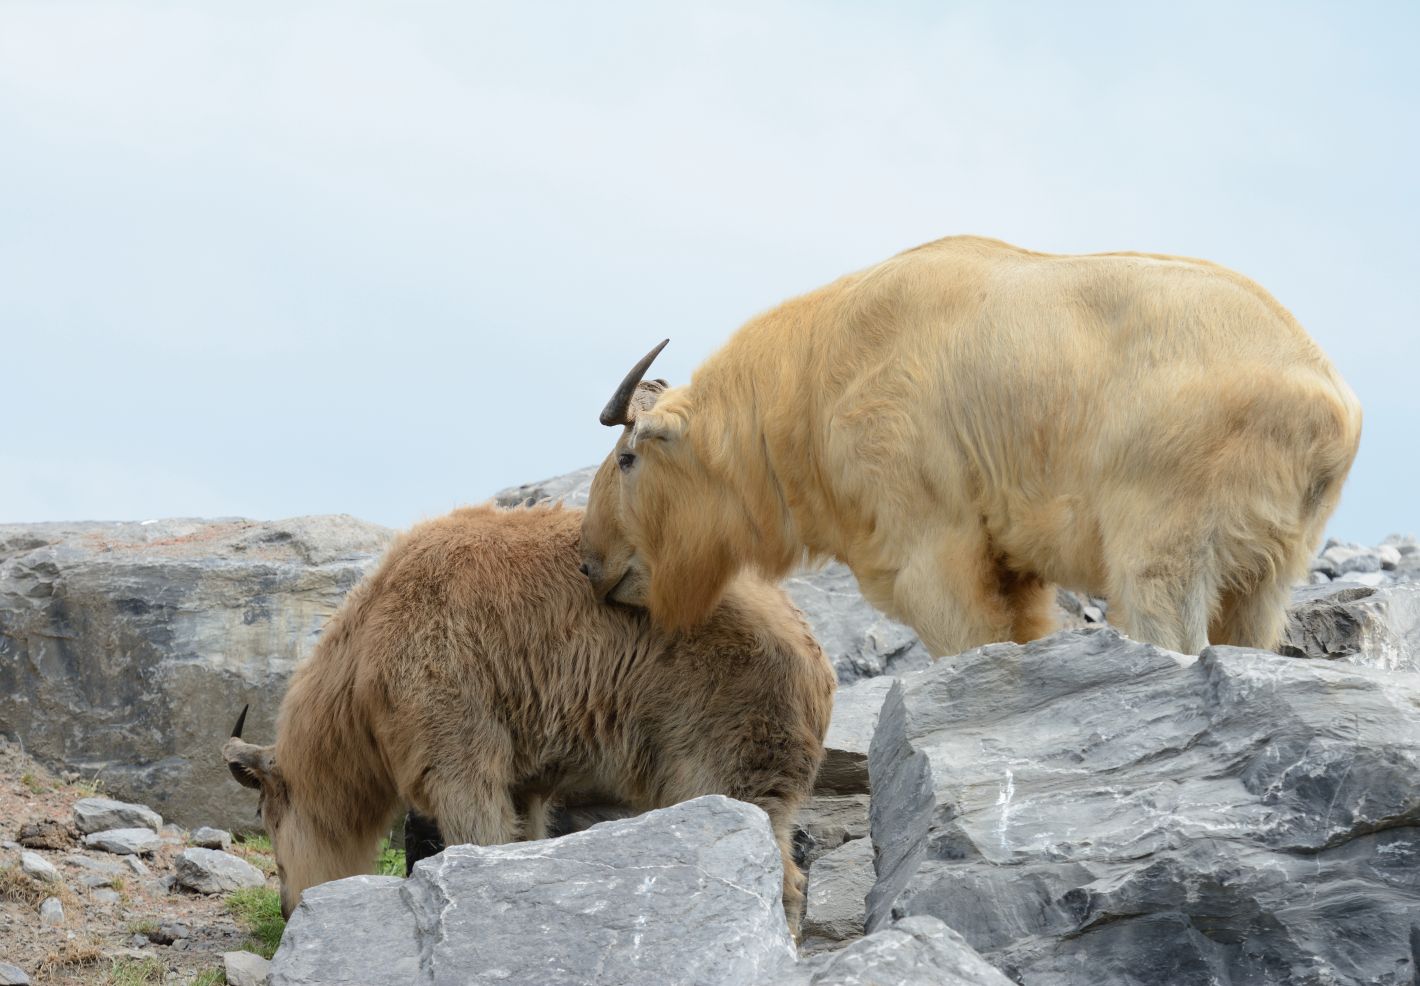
column 126, row 648
column 1086, row 809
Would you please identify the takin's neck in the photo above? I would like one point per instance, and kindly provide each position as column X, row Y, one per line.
column 759, row 428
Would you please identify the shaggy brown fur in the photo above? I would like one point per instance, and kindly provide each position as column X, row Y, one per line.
column 473, row 677
column 968, row 423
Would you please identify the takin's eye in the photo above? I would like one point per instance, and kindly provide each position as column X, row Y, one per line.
column 625, row 460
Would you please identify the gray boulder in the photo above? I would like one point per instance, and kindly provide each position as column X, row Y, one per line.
column 101, row 814
column 211, row 871
column 127, row 649
column 860, row 641
column 916, row 951
column 688, row 894
column 125, row 842
column 1374, row 627
column 1086, row 809
column 13, row 975
column 838, row 889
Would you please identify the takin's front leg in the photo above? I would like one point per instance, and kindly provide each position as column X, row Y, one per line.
column 958, row 593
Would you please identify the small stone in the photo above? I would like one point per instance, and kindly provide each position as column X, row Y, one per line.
column 7, row 844
column 95, row 880
column 138, row 941
column 69, row 776
column 245, row 968
column 169, row 932
column 1093, row 614
column 51, row 913
column 211, row 871
column 179, row 944
column 105, row 896
column 124, row 841
column 46, row 833
column 136, row 865
column 1318, row 578
column 13, row 975
column 1389, row 555
column 36, row 867
column 99, row 814
column 166, row 882
column 210, row 838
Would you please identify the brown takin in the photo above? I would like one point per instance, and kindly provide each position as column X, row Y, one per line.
column 968, row 424
column 473, row 677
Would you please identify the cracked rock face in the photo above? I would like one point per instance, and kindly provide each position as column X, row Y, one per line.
column 1086, row 809
column 685, row 895
column 125, row 648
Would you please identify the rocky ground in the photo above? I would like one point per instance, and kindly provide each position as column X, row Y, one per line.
column 77, row 913
column 1084, row 809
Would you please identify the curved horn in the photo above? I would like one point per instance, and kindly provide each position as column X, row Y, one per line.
column 241, row 721
column 615, row 412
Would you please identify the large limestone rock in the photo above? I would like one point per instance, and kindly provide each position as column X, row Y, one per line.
column 126, row 650
column 1089, row 810
column 685, row 895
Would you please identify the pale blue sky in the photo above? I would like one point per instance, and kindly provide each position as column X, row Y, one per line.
column 273, row 259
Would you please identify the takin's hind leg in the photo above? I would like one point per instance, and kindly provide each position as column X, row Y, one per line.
column 781, row 820
column 1032, row 605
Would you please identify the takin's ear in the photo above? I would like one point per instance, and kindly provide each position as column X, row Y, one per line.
column 250, row 764
column 655, row 424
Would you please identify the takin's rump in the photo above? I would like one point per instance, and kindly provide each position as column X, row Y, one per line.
column 473, row 677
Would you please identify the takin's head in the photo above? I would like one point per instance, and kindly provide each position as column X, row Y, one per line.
column 662, row 529
column 255, row 767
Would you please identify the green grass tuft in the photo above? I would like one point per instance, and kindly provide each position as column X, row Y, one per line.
column 390, row 861
column 210, row 977
column 259, row 911
column 256, row 849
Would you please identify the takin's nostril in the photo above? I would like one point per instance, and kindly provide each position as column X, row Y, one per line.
column 586, row 570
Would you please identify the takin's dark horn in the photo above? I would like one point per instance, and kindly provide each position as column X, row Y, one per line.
column 616, row 410
column 241, row 721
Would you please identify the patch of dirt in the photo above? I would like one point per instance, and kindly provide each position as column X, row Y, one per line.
column 96, row 934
